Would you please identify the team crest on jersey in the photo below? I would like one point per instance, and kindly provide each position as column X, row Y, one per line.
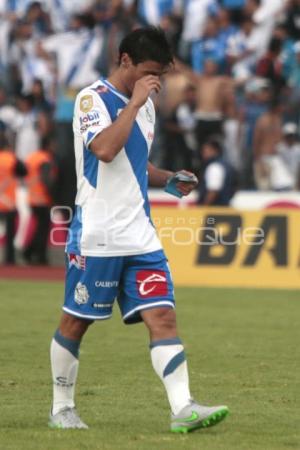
column 81, row 294
column 86, row 103
column 149, row 115
column 77, row 260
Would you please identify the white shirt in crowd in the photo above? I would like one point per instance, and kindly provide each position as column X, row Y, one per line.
column 290, row 156
column 23, row 126
column 265, row 19
column 196, row 13
column 215, row 176
column 24, row 55
column 68, row 50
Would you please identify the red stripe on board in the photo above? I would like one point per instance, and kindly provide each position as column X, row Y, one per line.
column 38, row 273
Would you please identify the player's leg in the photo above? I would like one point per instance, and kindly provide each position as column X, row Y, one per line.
column 89, row 296
column 167, row 355
column 64, row 355
column 169, row 362
column 147, row 294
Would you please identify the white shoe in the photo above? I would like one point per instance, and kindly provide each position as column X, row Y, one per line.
column 66, row 418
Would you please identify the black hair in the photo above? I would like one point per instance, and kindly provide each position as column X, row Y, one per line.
column 147, row 44
column 275, row 45
column 216, row 143
column 46, row 142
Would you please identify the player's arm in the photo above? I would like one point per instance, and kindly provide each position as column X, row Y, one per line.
column 158, row 177
column 107, row 144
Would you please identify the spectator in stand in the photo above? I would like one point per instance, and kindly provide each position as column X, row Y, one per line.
column 235, row 7
column 178, row 129
column 26, row 127
column 253, row 106
column 10, row 170
column 209, row 47
column 62, row 11
column 226, row 30
column 76, row 53
column 294, row 84
column 213, row 95
column 242, row 51
column 264, row 14
column 270, row 66
column 151, row 13
column 287, row 54
column 289, row 151
column 196, row 13
column 217, row 178
column 267, row 135
column 41, row 181
column 38, row 18
column 293, row 19
column 41, row 103
column 26, row 63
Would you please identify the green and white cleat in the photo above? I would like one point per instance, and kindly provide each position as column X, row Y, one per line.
column 194, row 416
column 66, row 418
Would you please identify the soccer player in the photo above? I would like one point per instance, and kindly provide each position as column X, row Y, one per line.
column 113, row 250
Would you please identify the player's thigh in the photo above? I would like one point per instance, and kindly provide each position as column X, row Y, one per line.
column 146, row 284
column 92, row 284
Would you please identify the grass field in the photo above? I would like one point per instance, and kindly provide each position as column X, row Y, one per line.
column 243, row 348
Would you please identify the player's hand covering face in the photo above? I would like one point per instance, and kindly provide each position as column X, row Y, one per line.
column 143, row 88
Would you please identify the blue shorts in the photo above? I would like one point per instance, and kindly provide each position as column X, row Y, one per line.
column 138, row 282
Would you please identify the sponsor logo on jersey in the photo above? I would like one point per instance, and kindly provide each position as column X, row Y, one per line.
column 102, row 305
column 77, row 260
column 86, row 103
column 106, row 284
column 150, row 136
column 81, row 295
column 89, row 117
column 149, row 115
column 151, row 283
column 100, row 89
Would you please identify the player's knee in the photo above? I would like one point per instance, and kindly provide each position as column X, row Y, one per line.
column 73, row 327
column 161, row 321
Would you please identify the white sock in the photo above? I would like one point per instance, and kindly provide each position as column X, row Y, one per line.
column 168, row 360
column 64, row 365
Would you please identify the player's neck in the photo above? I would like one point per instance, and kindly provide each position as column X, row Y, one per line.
column 117, row 80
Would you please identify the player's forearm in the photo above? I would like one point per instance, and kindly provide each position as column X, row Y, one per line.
column 110, row 141
column 158, row 177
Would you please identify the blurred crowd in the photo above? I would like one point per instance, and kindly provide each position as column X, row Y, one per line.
column 229, row 109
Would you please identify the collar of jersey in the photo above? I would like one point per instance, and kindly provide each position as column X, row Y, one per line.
column 114, row 90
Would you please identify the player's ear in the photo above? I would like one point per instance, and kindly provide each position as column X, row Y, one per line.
column 126, row 61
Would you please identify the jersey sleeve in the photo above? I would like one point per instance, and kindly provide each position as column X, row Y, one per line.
column 90, row 116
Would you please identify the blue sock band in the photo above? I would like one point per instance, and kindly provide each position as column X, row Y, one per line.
column 69, row 344
column 172, row 341
column 174, row 363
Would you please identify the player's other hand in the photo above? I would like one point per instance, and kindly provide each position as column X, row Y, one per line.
column 143, row 88
column 185, row 187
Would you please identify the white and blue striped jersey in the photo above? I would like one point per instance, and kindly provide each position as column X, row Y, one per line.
column 112, row 209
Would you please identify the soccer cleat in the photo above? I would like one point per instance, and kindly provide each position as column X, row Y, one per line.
column 194, row 416
column 66, row 418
